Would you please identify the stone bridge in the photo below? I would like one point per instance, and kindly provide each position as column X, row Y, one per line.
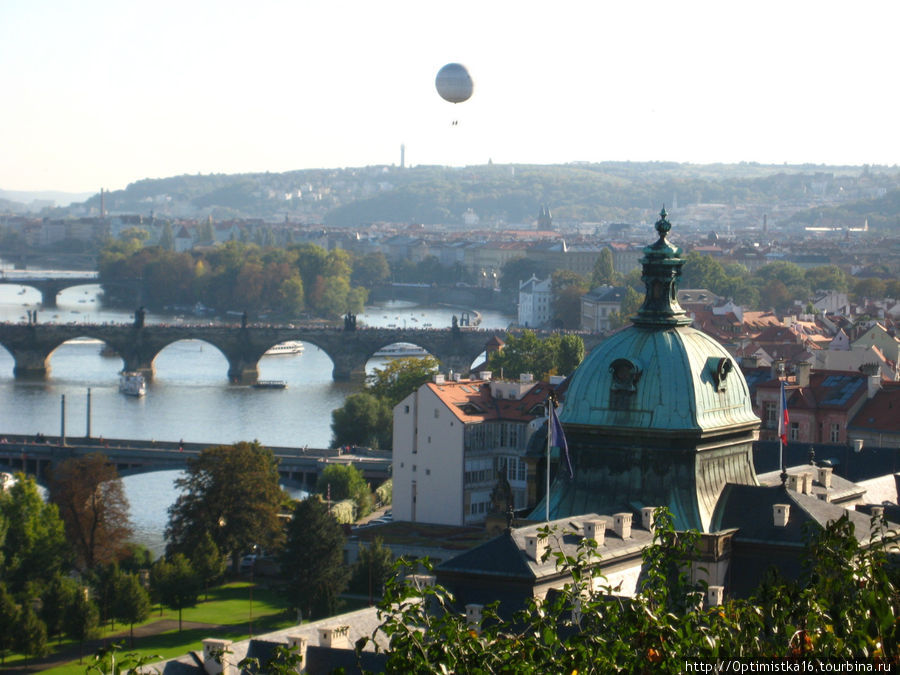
column 49, row 286
column 349, row 350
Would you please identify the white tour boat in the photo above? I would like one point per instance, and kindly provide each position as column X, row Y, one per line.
column 401, row 350
column 289, row 347
column 132, row 384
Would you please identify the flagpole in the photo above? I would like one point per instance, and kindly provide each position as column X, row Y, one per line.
column 547, row 472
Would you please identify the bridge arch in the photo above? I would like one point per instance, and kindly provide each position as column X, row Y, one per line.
column 209, row 360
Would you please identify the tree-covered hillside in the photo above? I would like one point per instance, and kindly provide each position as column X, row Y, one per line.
column 509, row 194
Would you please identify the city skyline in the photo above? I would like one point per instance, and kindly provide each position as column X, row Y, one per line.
column 100, row 94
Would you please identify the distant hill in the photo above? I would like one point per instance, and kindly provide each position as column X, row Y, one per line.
column 502, row 194
column 20, row 201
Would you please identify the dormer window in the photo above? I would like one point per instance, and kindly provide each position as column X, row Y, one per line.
column 625, row 375
column 719, row 368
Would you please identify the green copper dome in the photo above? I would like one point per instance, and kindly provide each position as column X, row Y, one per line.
column 659, row 374
column 676, row 379
column 658, row 414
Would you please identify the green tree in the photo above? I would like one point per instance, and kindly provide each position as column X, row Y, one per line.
column 364, row 420
column 604, row 273
column 631, row 303
column 571, row 354
column 372, row 569
column 401, row 377
column 869, row 288
column 55, row 602
column 567, row 287
column 292, row 300
column 178, row 584
column 167, row 238
column 312, row 560
column 525, row 353
column 517, row 270
column 345, row 481
column 208, row 561
column 827, row 278
column 82, row 620
column 9, row 618
column 93, row 507
column 29, row 634
column 232, row 492
column 371, row 270
column 132, row 603
column 35, row 547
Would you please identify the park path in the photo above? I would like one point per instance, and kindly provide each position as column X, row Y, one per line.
column 70, row 654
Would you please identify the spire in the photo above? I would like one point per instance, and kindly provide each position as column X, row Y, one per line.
column 661, row 270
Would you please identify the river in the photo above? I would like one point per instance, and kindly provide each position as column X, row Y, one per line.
column 189, row 398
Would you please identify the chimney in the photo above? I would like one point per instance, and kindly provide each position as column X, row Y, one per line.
column 438, row 378
column 781, row 513
column 714, row 595
column 457, row 377
column 825, row 476
column 298, row 644
column 874, row 385
column 877, row 512
column 335, row 637
column 824, row 496
column 535, row 547
column 795, row 482
column 857, row 445
column 749, row 361
column 526, row 378
column 647, row 518
column 485, row 375
column 215, row 660
column 420, row 581
column 806, row 482
column 803, row 373
column 777, row 368
column 596, row 530
column 473, row 616
column 622, row 525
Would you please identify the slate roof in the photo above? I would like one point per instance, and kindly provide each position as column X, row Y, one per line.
column 504, row 556
column 749, row 508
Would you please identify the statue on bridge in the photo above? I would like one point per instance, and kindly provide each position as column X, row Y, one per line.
column 139, row 316
column 244, row 319
column 350, row 321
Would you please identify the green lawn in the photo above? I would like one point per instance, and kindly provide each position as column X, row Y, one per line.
column 228, row 606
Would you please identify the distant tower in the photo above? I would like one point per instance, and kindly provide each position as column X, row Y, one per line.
column 402, row 155
column 102, row 204
column 545, row 220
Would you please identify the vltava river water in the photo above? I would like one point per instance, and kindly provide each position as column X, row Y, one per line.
column 190, row 397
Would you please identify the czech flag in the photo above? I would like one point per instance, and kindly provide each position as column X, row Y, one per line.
column 783, row 419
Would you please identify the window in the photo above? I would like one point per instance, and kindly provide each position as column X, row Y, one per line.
column 835, row 433
column 769, row 414
column 795, row 431
column 406, row 409
column 437, row 413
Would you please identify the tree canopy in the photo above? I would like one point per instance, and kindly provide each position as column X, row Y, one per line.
column 93, row 507
column 35, row 548
column 542, row 357
column 312, row 560
column 232, row 492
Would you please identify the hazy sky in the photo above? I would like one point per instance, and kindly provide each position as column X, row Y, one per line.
column 100, row 93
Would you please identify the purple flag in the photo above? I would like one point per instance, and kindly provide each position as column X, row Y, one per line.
column 558, row 438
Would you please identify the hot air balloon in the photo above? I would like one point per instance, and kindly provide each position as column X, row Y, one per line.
column 454, row 83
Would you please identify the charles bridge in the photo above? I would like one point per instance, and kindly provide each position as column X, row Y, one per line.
column 138, row 345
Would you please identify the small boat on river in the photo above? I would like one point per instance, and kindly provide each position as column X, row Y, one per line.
column 132, row 384
column 285, row 348
column 270, row 384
